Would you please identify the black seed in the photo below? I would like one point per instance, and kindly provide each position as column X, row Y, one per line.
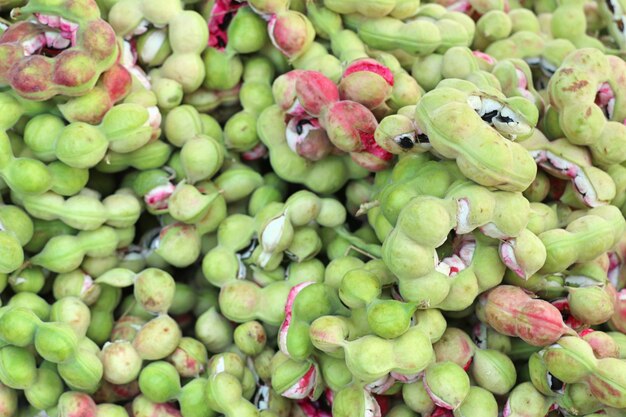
column 228, row 17
column 300, row 124
column 422, row 138
column 609, row 4
column 505, row 119
column 487, row 117
column 246, row 252
column 405, row 141
column 556, row 384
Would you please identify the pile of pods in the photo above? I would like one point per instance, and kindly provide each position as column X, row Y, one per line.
column 312, row 208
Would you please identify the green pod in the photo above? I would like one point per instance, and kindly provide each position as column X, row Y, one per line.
column 494, row 25
column 17, row 367
column 168, row 332
column 179, row 245
column 181, row 124
column 353, row 399
column 159, row 382
column 56, row 342
column 67, row 180
column 448, row 382
column 224, row 394
column 72, row 402
column 121, row 363
column 82, row 372
column 45, row 391
column 11, row 253
column 31, row 279
column 18, row 326
column 40, row 135
column 478, row 403
column 419, row 37
column 32, row 302
column 191, row 399
column 127, row 127
column 189, row 358
column 240, row 131
column 390, row 318
column 154, row 290
column 214, row 330
column 153, row 47
column 493, row 371
column 16, row 222
column 201, row 157
column 236, row 184
column 247, row 32
column 81, row 145
column 416, row 397
column 223, row 69
column 110, row 410
column 150, row 156
column 250, row 338
column 73, row 311
column 60, row 254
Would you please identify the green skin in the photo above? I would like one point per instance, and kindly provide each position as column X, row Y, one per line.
column 484, row 155
column 247, row 32
column 84, row 212
column 188, row 36
column 370, row 357
column 456, row 62
column 188, row 205
column 202, row 206
column 525, row 401
column 125, row 128
column 433, row 179
column 490, row 27
column 221, row 265
column 334, row 371
column 584, row 238
column 93, row 51
column 572, row 361
column 367, row 8
column 484, row 272
column 506, row 72
column 13, row 170
column 267, row 303
column 277, row 223
column 233, row 364
column 361, row 289
column 152, row 299
column 523, row 44
column 17, row 231
column 240, row 132
column 414, row 239
column 66, row 253
column 150, row 156
column 432, row 29
column 602, row 187
column 448, row 382
column 311, row 302
column 570, row 22
column 573, row 90
column 296, row 379
column 201, row 157
column 325, row 176
column 224, row 394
